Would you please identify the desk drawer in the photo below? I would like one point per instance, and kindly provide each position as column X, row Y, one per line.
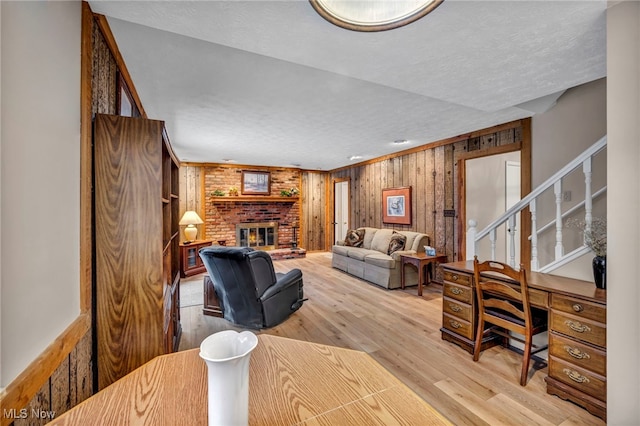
column 457, row 278
column 457, row 325
column 579, row 328
column 584, row 356
column 456, row 308
column 582, row 308
column 539, row 298
column 578, row 378
column 463, row 294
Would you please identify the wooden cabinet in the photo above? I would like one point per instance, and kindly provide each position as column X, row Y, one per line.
column 190, row 261
column 459, row 311
column 577, row 352
column 137, row 284
column 211, row 302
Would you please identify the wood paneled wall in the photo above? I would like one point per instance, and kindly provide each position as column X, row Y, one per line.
column 432, row 171
column 314, row 223
column 69, row 385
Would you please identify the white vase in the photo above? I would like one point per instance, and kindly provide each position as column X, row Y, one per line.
column 227, row 355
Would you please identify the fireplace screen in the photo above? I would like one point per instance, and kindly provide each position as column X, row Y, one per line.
column 262, row 236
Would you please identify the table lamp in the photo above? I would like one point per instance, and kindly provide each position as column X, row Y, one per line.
column 191, row 219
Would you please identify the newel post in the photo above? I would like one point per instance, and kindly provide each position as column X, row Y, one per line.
column 472, row 231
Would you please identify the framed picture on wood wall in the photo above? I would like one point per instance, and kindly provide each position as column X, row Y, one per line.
column 396, row 205
column 256, row 183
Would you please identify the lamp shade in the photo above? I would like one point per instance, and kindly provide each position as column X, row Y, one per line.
column 191, row 219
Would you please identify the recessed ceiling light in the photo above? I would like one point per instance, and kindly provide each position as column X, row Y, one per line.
column 400, row 141
column 355, row 157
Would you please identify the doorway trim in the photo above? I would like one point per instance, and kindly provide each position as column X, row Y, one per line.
column 333, row 205
column 525, row 188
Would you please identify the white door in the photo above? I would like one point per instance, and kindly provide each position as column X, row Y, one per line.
column 340, row 209
column 512, row 196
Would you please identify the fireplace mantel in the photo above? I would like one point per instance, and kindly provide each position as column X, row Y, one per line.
column 254, row 199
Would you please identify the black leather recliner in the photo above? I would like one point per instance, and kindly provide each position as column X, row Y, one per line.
column 250, row 292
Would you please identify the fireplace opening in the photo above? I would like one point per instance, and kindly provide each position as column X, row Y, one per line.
column 263, row 235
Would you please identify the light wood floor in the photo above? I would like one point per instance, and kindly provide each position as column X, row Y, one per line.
column 402, row 332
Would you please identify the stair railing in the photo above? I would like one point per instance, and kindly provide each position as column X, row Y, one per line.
column 473, row 237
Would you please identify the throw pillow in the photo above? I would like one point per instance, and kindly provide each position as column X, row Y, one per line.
column 354, row 238
column 397, row 242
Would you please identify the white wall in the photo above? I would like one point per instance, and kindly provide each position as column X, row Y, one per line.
column 623, row 234
column 576, row 122
column 39, row 177
column 485, row 198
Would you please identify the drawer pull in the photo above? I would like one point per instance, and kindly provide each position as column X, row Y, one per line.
column 577, row 353
column 456, row 291
column 575, row 376
column 454, row 277
column 576, row 326
column 454, row 308
column 455, row 324
column 578, row 307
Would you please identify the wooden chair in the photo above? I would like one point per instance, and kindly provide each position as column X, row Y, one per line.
column 507, row 308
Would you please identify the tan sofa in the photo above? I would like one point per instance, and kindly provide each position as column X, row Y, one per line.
column 371, row 261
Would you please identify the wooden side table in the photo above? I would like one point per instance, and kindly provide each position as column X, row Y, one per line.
column 190, row 262
column 420, row 261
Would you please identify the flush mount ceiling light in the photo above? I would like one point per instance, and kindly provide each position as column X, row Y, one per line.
column 400, row 142
column 373, row 15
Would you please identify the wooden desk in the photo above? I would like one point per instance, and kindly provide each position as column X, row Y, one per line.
column 577, row 329
column 420, row 261
column 290, row 382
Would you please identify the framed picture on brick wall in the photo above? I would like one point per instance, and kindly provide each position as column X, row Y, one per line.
column 256, row 182
column 396, row 205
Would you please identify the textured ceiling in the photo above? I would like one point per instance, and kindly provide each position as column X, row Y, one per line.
column 273, row 83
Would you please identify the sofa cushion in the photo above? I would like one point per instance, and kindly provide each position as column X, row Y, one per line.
column 418, row 241
column 359, row 253
column 411, row 237
column 379, row 259
column 342, row 250
column 369, row 233
column 354, row 237
column 396, row 243
column 381, row 240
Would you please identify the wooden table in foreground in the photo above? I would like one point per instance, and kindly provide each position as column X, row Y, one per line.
column 420, row 261
column 290, row 382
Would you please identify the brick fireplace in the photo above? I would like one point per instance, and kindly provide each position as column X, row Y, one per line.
column 223, row 218
column 224, row 213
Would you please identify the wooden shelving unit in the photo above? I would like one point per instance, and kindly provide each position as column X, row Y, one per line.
column 137, row 287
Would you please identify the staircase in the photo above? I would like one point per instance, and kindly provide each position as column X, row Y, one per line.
column 535, row 202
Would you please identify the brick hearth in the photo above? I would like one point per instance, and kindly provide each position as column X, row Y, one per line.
column 281, row 254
